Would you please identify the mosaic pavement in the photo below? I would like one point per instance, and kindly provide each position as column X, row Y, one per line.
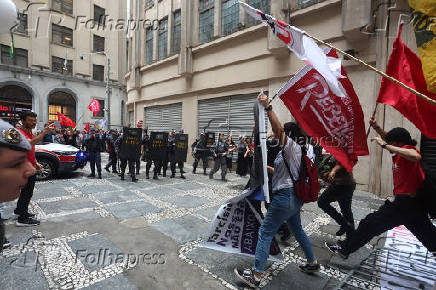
column 180, row 210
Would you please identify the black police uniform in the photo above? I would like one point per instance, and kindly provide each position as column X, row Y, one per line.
column 220, row 149
column 146, row 147
column 94, row 146
column 124, row 160
column 200, row 151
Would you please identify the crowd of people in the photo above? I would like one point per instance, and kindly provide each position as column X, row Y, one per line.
column 285, row 151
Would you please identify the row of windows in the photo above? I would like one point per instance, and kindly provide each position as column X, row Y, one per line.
column 229, row 20
column 59, row 65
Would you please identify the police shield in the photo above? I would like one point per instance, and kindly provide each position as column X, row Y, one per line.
column 159, row 141
column 130, row 147
column 181, row 147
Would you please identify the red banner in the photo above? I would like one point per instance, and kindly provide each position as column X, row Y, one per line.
column 94, row 107
column 337, row 123
column 65, row 121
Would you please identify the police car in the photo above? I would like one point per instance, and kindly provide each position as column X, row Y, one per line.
column 55, row 159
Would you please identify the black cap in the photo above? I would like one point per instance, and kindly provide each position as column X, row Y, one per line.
column 12, row 138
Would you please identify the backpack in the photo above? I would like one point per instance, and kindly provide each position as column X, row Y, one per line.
column 307, row 187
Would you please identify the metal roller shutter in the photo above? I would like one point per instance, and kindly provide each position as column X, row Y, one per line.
column 428, row 151
column 213, row 115
column 163, row 118
column 241, row 115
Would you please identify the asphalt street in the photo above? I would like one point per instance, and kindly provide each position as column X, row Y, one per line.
column 90, row 228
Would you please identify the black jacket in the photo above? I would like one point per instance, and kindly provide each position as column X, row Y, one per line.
column 94, row 144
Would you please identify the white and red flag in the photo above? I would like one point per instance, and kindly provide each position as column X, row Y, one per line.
column 304, row 48
column 337, row 123
column 94, row 107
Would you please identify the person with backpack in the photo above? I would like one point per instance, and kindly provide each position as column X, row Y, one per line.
column 406, row 209
column 285, row 205
column 341, row 189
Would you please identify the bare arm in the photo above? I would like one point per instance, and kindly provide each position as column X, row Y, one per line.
column 409, row 154
column 377, row 128
column 274, row 120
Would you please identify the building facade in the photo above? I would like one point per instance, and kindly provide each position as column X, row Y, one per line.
column 201, row 63
column 59, row 62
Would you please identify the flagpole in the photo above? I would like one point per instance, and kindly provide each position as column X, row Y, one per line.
column 374, row 69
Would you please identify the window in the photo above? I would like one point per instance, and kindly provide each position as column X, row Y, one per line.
column 22, row 26
column 65, row 6
column 99, row 14
column 62, row 35
column 100, row 114
column 20, row 56
column 262, row 5
column 98, row 72
column 163, row 39
column 229, row 17
column 149, row 45
column 206, row 10
column 58, row 65
column 307, row 3
column 149, row 3
column 177, row 31
column 98, row 43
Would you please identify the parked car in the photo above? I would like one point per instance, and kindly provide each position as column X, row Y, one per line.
column 55, row 159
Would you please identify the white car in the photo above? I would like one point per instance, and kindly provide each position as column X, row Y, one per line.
column 55, row 159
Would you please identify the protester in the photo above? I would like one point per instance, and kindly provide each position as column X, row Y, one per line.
column 285, row 206
column 69, row 138
column 15, row 168
column 200, row 151
column 48, row 138
column 220, row 151
column 341, row 188
column 242, row 163
column 249, row 153
column 110, row 147
column 229, row 156
column 25, row 218
column 406, row 209
column 94, row 146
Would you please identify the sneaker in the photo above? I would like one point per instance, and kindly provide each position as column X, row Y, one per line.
column 247, row 277
column 27, row 222
column 28, row 214
column 309, row 268
column 335, row 249
column 6, row 244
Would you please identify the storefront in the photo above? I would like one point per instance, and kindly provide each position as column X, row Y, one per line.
column 13, row 100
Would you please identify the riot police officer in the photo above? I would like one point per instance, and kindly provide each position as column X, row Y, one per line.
column 171, row 147
column 220, row 151
column 146, row 155
column 124, row 158
column 200, row 151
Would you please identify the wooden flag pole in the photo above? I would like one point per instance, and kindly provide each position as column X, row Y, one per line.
column 431, row 101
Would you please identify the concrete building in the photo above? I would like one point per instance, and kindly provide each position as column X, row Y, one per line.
column 55, row 67
column 203, row 62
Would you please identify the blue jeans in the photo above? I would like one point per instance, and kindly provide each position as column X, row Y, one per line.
column 285, row 206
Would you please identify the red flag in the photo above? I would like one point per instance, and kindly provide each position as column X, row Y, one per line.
column 94, row 106
column 336, row 122
column 65, row 121
column 405, row 66
column 87, row 127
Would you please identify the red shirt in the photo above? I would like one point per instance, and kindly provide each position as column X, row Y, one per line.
column 408, row 175
column 31, row 155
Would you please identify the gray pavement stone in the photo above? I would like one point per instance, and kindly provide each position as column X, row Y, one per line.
column 21, row 272
column 66, row 205
column 119, row 282
column 209, row 212
column 184, row 229
column 188, row 201
column 50, row 192
column 188, row 186
column 93, row 189
column 116, row 196
column 76, row 217
column 131, row 209
column 95, row 252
